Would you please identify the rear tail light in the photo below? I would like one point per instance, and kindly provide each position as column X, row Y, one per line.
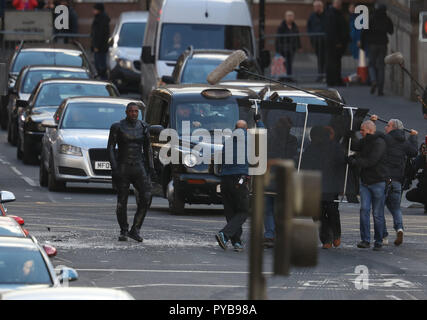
column 50, row 251
column 19, row 220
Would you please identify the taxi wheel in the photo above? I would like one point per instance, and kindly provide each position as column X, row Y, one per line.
column 28, row 156
column 18, row 149
column 43, row 174
column 177, row 205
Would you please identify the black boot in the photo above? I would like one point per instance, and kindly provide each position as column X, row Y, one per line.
column 134, row 234
column 123, row 235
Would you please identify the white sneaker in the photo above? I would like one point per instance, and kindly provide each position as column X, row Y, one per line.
column 385, row 241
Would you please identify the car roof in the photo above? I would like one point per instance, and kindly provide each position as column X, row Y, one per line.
column 67, row 293
column 42, row 46
column 10, row 228
column 96, row 99
column 74, row 80
column 17, row 242
column 55, row 67
column 185, row 89
column 133, row 16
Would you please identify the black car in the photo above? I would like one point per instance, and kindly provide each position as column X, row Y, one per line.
column 204, row 107
column 27, row 80
column 42, row 104
column 193, row 66
column 28, row 54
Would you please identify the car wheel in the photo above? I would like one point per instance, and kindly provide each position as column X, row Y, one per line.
column 52, row 183
column 9, row 134
column 43, row 174
column 176, row 204
column 13, row 134
column 18, row 149
column 4, row 118
column 28, row 156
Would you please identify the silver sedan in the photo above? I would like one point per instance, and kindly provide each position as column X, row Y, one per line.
column 74, row 147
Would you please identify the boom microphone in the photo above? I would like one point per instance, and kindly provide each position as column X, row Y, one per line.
column 227, row 66
column 395, row 58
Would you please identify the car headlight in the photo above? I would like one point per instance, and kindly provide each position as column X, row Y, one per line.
column 190, row 160
column 71, row 150
column 126, row 64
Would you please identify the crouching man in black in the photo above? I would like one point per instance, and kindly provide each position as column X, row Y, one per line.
column 131, row 163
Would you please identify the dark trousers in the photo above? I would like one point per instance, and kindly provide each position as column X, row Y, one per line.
column 377, row 54
column 330, row 228
column 417, row 195
column 289, row 59
column 235, row 198
column 333, row 66
column 136, row 175
column 101, row 64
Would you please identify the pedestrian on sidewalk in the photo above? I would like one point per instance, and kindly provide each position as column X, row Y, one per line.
column 131, row 162
column 288, row 41
column 100, row 33
column 317, row 24
column 337, row 37
column 235, row 188
column 376, row 40
column 398, row 150
column 371, row 159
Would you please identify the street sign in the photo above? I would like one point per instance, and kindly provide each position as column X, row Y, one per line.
column 423, row 26
column 28, row 25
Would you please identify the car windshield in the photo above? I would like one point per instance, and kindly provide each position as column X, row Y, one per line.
column 308, row 100
column 196, row 70
column 207, row 114
column 81, row 115
column 20, row 265
column 175, row 38
column 32, row 78
column 52, row 94
column 30, row 58
column 131, row 35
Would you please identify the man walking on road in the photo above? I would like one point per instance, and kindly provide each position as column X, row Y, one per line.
column 398, row 149
column 235, row 188
column 371, row 160
column 131, row 163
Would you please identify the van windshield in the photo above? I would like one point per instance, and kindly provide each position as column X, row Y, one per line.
column 175, row 38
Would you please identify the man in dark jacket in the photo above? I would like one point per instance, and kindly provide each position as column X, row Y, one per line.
column 419, row 194
column 316, row 24
column 398, row 150
column 288, row 41
column 371, row 160
column 375, row 39
column 337, row 38
column 99, row 34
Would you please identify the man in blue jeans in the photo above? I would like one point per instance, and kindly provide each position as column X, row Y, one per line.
column 371, row 159
column 398, row 150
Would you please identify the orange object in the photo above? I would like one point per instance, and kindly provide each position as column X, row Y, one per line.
column 362, row 70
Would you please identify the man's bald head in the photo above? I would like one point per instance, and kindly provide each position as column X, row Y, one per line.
column 241, row 124
column 368, row 127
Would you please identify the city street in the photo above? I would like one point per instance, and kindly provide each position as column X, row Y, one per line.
column 180, row 259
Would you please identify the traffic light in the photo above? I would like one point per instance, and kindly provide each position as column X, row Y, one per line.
column 423, row 26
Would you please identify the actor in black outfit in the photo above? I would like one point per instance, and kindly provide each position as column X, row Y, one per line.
column 131, row 163
column 337, row 38
column 316, row 24
column 100, row 33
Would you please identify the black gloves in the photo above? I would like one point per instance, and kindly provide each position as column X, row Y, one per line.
column 351, row 161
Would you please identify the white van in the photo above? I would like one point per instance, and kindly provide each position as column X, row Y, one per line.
column 174, row 25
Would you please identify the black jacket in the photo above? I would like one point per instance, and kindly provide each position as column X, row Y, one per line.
column 380, row 25
column 100, row 32
column 337, row 29
column 398, row 149
column 316, row 24
column 287, row 44
column 371, row 158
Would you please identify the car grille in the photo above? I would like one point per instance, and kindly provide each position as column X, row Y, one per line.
column 99, row 155
column 72, row 171
column 137, row 65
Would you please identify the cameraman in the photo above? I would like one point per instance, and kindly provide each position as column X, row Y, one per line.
column 419, row 194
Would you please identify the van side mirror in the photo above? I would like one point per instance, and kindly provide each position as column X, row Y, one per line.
column 147, row 57
column 168, row 79
column 22, row 104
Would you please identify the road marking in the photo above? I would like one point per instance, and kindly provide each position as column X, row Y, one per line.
column 30, row 181
column 16, row 171
column 168, row 271
column 393, row 297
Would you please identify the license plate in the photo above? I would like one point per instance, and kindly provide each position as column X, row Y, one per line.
column 102, row 165
column 218, row 188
